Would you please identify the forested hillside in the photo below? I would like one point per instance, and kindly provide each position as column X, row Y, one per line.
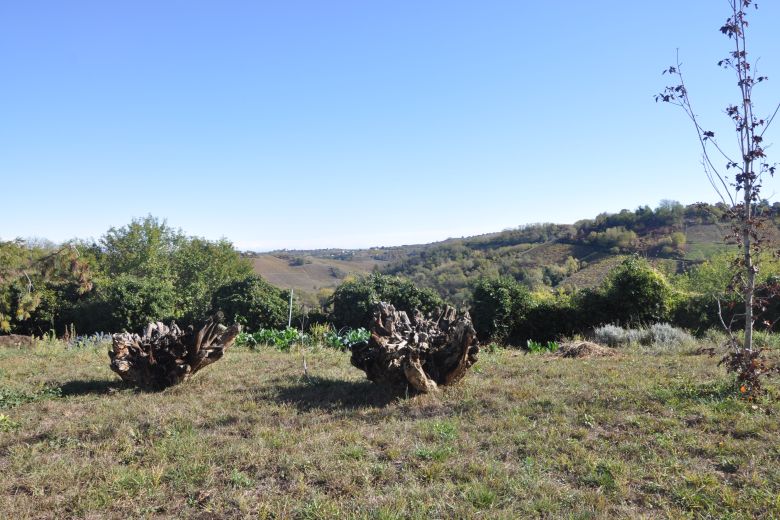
column 540, row 256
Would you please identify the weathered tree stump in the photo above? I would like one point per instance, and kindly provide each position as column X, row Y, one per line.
column 424, row 352
column 167, row 355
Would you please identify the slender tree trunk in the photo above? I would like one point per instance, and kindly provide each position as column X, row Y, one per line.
column 750, row 272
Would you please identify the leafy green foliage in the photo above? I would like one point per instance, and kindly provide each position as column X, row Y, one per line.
column 346, row 340
column 143, row 248
column 353, row 301
column 253, row 302
column 284, row 339
column 503, row 310
column 145, row 271
column 280, row 339
column 33, row 275
column 498, row 304
column 636, row 293
column 128, row 302
column 536, row 347
column 200, row 268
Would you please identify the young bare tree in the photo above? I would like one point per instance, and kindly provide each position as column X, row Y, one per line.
column 748, row 166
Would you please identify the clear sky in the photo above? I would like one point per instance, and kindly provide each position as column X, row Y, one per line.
column 304, row 124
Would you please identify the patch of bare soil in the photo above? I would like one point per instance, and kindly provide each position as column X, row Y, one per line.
column 16, row 341
column 584, row 349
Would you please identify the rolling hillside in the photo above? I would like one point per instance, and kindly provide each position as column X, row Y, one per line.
column 542, row 256
column 310, row 273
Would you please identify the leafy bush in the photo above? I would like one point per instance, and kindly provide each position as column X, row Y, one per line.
column 319, row 331
column 281, row 339
column 535, row 347
column 353, row 301
column 284, row 339
column 124, row 302
column 499, row 305
column 354, row 336
column 252, row 302
column 636, row 293
column 199, row 269
column 548, row 318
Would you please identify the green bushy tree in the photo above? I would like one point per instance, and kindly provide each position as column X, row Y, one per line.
column 143, row 248
column 199, row 269
column 353, row 301
column 29, row 271
column 635, row 293
column 127, row 302
column 498, row 306
column 253, row 302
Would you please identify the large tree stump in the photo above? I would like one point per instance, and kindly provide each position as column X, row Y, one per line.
column 166, row 355
column 423, row 352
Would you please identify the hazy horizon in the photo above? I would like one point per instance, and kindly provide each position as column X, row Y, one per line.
column 366, row 244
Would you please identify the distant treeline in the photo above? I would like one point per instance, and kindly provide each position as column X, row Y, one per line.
column 147, row 271
column 453, row 267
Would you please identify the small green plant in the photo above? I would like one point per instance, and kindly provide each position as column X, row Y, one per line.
column 245, row 339
column 438, row 454
column 536, row 347
column 601, row 476
column 280, row 339
column 240, row 479
column 481, row 496
column 10, row 398
column 346, row 340
column 6, row 424
column 319, row 331
column 445, row 431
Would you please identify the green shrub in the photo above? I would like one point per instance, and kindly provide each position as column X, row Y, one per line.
column 547, row 319
column 253, row 302
column 281, row 339
column 123, row 302
column 498, row 306
column 347, row 339
column 636, row 293
column 353, row 301
column 535, row 347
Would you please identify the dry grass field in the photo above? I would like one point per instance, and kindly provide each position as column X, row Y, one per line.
column 523, row 436
column 309, row 277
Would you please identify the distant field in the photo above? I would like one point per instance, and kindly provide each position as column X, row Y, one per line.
column 309, row 277
column 523, row 436
column 594, row 273
column 554, row 253
column 705, row 241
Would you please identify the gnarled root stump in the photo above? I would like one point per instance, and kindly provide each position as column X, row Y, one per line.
column 165, row 356
column 422, row 352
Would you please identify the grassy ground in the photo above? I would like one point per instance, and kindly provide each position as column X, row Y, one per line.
column 522, row 436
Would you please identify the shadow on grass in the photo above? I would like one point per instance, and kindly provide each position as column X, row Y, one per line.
column 328, row 394
column 90, row 387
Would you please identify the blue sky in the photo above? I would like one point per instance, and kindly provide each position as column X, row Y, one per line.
column 304, row 124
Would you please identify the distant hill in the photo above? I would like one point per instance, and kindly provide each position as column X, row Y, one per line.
column 307, row 273
column 542, row 256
